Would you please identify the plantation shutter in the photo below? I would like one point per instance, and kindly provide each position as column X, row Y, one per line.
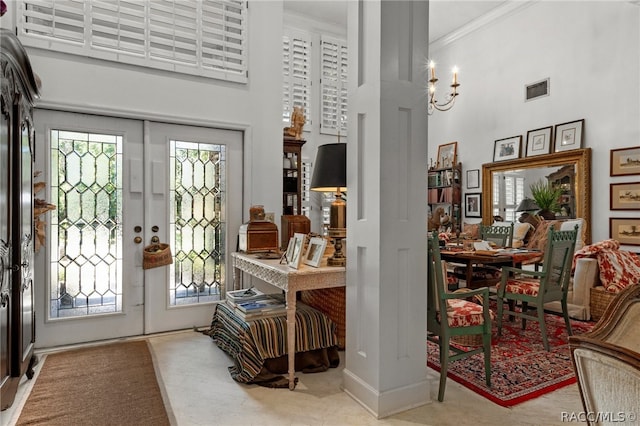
column 333, row 86
column 296, row 54
column 198, row 37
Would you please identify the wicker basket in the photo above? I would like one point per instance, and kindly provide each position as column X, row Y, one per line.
column 599, row 301
column 331, row 302
column 468, row 340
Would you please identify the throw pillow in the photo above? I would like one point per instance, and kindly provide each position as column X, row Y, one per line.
column 472, row 230
column 520, row 231
column 538, row 240
column 568, row 225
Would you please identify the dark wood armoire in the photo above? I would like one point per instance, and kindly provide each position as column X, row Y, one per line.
column 19, row 90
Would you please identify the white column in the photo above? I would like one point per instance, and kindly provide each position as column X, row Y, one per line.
column 387, row 206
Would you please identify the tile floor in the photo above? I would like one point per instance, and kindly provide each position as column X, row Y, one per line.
column 201, row 392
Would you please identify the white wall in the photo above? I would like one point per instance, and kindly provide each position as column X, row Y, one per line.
column 590, row 51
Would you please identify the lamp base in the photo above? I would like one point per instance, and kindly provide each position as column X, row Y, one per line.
column 338, row 258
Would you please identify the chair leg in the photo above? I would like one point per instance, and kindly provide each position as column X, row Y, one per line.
column 543, row 327
column 500, row 309
column 486, row 343
column 444, row 365
column 565, row 313
column 525, row 308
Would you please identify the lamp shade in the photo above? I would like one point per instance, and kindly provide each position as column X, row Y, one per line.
column 527, row 205
column 330, row 169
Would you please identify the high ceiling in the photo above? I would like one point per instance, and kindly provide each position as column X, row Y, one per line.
column 445, row 15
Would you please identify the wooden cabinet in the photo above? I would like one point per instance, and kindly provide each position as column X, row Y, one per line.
column 565, row 178
column 19, row 89
column 292, row 176
column 444, row 195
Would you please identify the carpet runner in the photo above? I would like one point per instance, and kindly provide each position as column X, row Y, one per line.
column 520, row 367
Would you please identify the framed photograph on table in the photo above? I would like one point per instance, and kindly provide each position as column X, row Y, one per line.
column 625, row 196
column 507, row 148
column 625, row 161
column 296, row 251
column 626, row 230
column 539, row 141
column 473, row 205
column 447, row 155
column 568, row 136
column 315, row 251
column 473, row 178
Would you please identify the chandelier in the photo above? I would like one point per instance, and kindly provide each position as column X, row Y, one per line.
column 450, row 98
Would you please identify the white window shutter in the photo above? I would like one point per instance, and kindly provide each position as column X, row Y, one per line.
column 296, row 70
column 199, row 37
column 333, row 86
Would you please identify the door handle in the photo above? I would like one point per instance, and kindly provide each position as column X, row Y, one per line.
column 137, row 240
column 155, row 239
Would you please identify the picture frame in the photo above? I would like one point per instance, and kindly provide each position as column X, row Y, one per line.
column 447, row 155
column 625, row 230
column 625, row 161
column 568, row 136
column 539, row 141
column 473, row 204
column 473, row 178
column 624, row 196
column 507, row 148
column 315, row 251
column 296, row 251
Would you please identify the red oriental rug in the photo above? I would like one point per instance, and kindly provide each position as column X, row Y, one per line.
column 520, row 367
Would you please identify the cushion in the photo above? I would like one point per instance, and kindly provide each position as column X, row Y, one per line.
column 520, row 231
column 527, row 286
column 462, row 313
column 472, row 230
column 568, row 225
column 538, row 240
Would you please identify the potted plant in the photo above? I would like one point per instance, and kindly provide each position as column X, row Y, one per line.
column 546, row 197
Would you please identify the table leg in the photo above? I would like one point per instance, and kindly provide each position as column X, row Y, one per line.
column 469, row 274
column 237, row 277
column 291, row 337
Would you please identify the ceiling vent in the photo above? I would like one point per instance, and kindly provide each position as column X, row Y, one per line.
column 536, row 90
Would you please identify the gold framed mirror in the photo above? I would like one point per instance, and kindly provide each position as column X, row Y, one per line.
column 580, row 159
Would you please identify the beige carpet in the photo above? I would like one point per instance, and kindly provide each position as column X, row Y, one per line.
column 113, row 384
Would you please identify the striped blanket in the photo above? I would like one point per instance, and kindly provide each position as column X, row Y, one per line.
column 250, row 343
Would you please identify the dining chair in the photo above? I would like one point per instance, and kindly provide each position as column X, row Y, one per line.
column 501, row 235
column 451, row 314
column 539, row 287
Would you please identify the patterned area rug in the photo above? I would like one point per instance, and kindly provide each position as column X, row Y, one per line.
column 520, row 367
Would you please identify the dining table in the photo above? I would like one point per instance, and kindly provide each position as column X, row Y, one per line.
column 471, row 259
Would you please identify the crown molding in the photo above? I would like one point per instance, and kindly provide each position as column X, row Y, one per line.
column 507, row 9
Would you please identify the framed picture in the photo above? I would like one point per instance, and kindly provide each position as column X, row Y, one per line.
column 626, row 230
column 507, row 148
column 447, row 155
column 539, row 141
column 296, row 251
column 315, row 251
column 473, row 178
column 625, row 161
column 568, row 136
column 625, row 196
column 473, row 205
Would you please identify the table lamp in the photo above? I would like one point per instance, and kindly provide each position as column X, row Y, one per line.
column 330, row 175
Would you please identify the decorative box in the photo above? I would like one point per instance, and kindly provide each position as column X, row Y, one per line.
column 258, row 236
column 290, row 224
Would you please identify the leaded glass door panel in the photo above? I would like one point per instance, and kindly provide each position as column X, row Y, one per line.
column 118, row 185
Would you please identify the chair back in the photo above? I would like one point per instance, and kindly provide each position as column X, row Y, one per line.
column 436, row 284
column 558, row 256
column 501, row 235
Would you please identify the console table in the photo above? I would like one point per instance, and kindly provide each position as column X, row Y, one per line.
column 291, row 281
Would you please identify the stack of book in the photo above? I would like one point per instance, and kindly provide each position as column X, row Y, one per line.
column 250, row 304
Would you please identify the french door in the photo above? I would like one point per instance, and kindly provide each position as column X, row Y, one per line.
column 119, row 185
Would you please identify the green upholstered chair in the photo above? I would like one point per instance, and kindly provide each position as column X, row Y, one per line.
column 539, row 287
column 451, row 314
column 500, row 235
